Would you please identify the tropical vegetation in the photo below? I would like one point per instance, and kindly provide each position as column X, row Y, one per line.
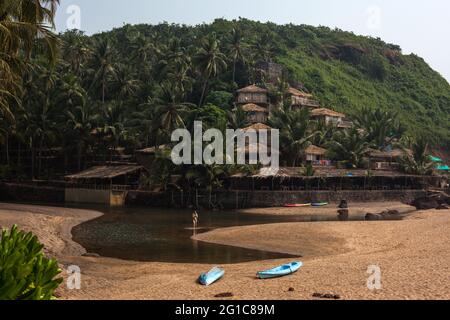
column 71, row 100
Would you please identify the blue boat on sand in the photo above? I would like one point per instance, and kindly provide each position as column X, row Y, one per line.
column 319, row 204
column 211, row 276
column 280, row 271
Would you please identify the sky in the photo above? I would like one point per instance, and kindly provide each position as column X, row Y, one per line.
column 420, row 27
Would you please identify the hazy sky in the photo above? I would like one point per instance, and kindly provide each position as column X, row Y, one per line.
column 421, row 27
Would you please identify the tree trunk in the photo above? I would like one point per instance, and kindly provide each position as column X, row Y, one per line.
column 205, row 85
column 41, row 144
column 33, row 157
column 7, row 148
column 79, row 156
column 103, row 92
column 19, row 158
column 234, row 70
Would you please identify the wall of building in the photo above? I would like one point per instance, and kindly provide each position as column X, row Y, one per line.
column 259, row 199
column 30, row 193
column 87, row 196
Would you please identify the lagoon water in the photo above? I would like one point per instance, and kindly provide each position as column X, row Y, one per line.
column 149, row 234
column 164, row 235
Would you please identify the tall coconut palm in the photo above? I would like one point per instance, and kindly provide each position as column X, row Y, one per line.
column 210, row 61
column 418, row 161
column 171, row 108
column 350, row 146
column 21, row 22
column 296, row 132
column 237, row 119
column 208, row 177
column 382, row 126
column 103, row 65
column 125, row 85
column 80, row 120
column 75, row 50
column 236, row 49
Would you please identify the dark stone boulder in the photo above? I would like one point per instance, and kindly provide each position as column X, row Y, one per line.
column 425, row 203
column 224, row 295
column 343, row 204
column 442, row 207
column 343, row 214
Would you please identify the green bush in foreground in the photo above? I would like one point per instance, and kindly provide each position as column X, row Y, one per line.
column 25, row 273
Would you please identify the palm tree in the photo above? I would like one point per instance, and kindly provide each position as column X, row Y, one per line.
column 21, row 23
column 103, row 65
column 81, row 121
column 325, row 133
column 236, row 49
column 237, row 119
column 296, row 132
column 40, row 115
column 418, row 161
column 350, row 146
column 210, row 61
column 124, row 84
column 171, row 108
column 75, row 50
column 112, row 128
column 207, row 176
column 70, row 93
column 382, row 126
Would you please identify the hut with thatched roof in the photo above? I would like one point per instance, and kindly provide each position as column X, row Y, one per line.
column 255, row 113
column 300, row 99
column 257, row 127
column 102, row 184
column 252, row 94
column 328, row 115
column 315, row 155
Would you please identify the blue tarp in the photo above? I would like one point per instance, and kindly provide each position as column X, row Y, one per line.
column 435, row 159
column 443, row 168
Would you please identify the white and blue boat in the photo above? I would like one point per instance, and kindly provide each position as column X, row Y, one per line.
column 280, row 271
column 211, row 276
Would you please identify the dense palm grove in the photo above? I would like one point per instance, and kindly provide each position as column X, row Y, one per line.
column 82, row 99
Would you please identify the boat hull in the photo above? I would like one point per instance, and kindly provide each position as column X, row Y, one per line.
column 211, row 276
column 280, row 271
column 297, row 205
column 319, row 204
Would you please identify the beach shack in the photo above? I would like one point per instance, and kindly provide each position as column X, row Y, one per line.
column 328, row 116
column 102, row 184
column 145, row 157
column 386, row 159
column 255, row 113
column 316, row 155
column 300, row 99
column 252, row 94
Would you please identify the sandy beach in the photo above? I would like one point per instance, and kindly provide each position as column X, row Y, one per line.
column 413, row 255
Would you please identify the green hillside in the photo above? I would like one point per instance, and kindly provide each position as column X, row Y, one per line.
column 343, row 70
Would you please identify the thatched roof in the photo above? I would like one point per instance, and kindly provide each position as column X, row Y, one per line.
column 257, row 127
column 152, row 150
column 251, row 107
column 253, row 89
column 256, row 148
column 312, row 149
column 104, row 172
column 326, row 112
column 329, row 172
column 395, row 153
column 298, row 93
